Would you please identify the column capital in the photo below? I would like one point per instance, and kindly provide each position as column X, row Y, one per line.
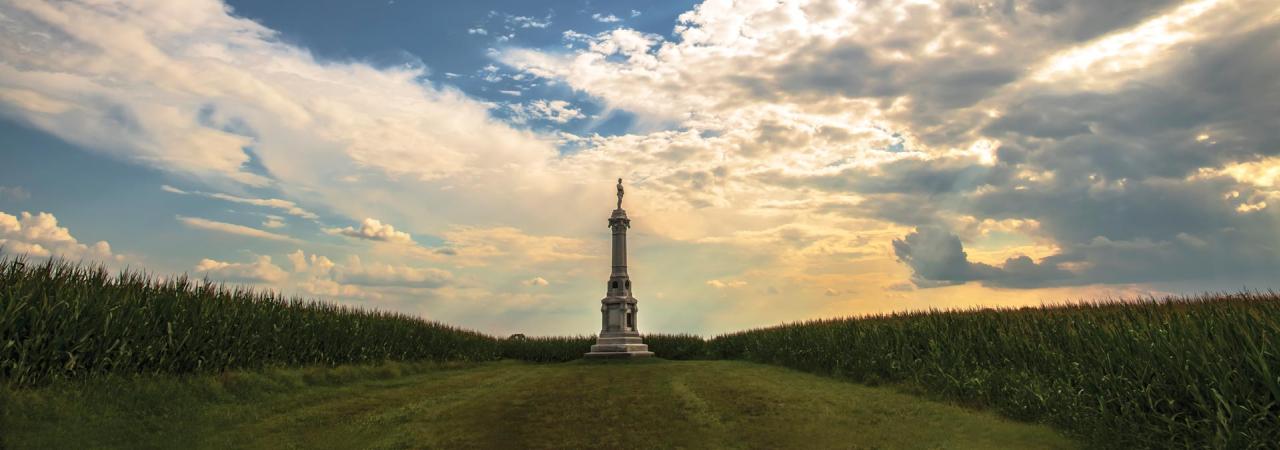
column 619, row 217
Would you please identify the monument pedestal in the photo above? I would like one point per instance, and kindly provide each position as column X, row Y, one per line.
column 619, row 346
column 619, row 336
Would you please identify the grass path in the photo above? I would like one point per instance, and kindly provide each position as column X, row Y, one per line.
column 657, row 404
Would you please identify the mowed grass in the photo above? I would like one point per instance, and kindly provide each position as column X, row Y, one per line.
column 647, row 404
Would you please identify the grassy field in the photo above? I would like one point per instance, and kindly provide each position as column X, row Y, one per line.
column 1196, row 372
column 507, row 404
column 1177, row 372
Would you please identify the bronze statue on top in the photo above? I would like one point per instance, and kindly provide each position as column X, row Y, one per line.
column 620, row 193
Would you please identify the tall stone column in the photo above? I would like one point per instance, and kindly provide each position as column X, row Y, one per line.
column 619, row 334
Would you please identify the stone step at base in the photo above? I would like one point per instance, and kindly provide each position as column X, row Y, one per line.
column 598, row 348
column 617, row 355
column 619, row 340
column 617, row 334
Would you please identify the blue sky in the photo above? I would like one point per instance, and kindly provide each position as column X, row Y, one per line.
column 455, row 41
column 785, row 160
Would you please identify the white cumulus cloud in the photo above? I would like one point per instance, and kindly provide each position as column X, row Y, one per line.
column 374, row 230
column 261, row 270
column 39, row 235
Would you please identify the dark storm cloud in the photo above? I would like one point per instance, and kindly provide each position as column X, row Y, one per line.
column 1156, row 209
column 1156, row 229
column 1112, row 148
column 908, row 191
column 1227, row 89
column 1120, row 180
column 898, row 66
column 1143, row 217
column 844, row 68
column 1081, row 20
column 937, row 258
column 906, row 176
column 1127, row 176
column 897, row 208
column 848, row 69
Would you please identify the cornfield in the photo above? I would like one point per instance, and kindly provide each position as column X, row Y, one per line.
column 63, row 320
column 547, row 349
column 1179, row 372
column 678, row 346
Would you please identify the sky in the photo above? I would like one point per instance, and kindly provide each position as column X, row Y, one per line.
column 784, row 160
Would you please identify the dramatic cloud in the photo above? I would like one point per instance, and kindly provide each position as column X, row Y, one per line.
column 937, row 258
column 39, row 235
column 1117, row 144
column 196, row 91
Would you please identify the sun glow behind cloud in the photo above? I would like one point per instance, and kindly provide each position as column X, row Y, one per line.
column 1148, row 43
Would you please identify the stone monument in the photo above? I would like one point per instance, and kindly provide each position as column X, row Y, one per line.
column 619, row 337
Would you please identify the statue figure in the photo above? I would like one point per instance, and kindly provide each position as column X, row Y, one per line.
column 619, row 193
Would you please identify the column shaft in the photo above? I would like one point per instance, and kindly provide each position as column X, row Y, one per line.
column 619, row 250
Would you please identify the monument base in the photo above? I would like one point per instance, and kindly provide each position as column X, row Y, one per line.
column 617, row 355
column 619, row 346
